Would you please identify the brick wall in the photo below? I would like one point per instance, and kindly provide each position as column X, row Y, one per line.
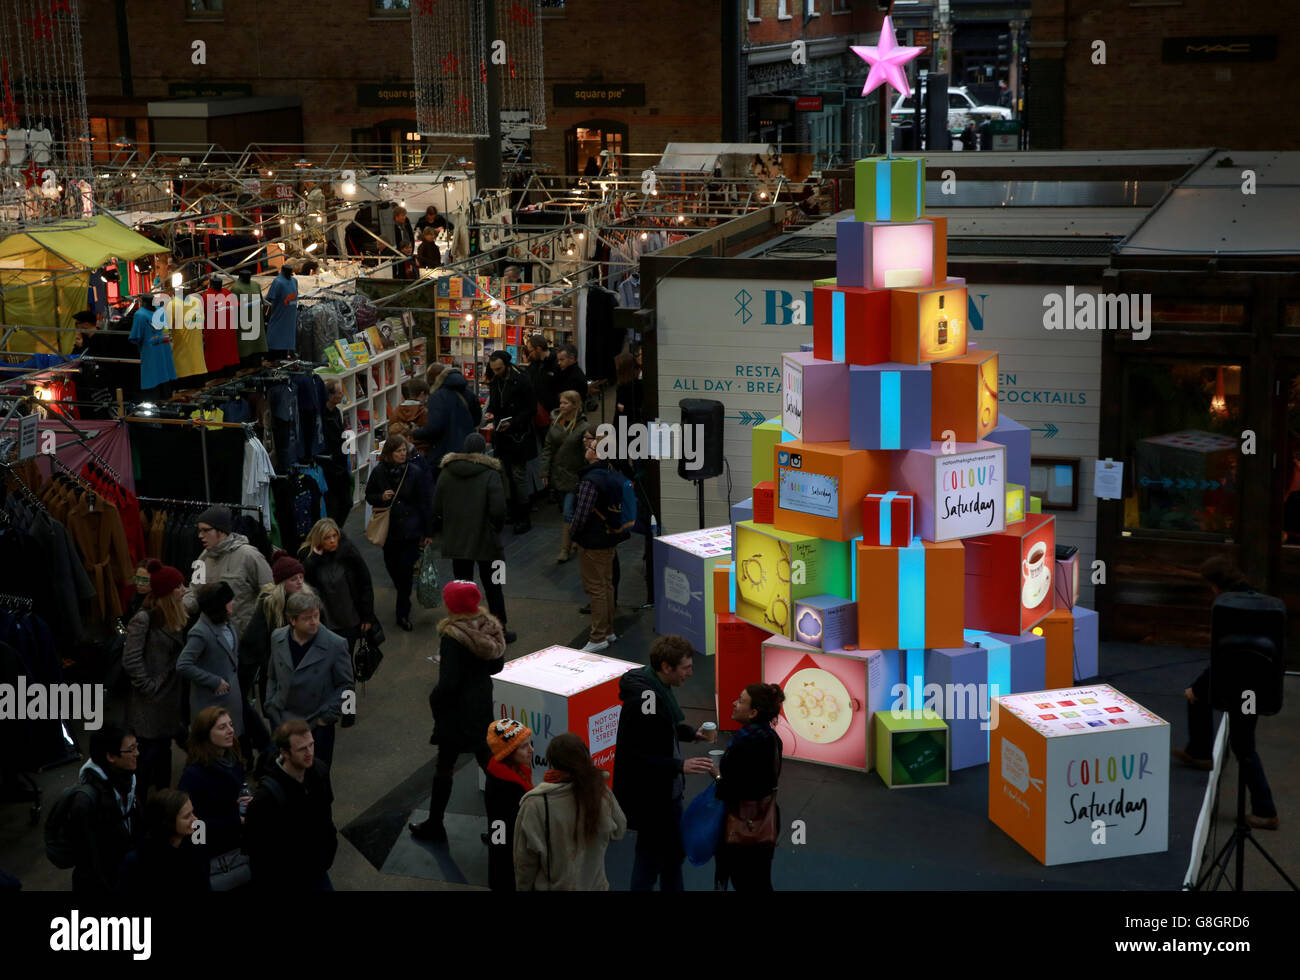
column 322, row 55
column 1135, row 101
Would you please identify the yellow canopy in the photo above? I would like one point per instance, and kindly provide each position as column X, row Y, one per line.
column 45, row 273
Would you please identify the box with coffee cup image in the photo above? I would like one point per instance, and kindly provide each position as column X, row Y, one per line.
column 1009, row 576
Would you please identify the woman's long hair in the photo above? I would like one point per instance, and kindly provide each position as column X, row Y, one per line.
column 273, row 598
column 569, row 754
column 166, row 612
column 200, row 750
column 317, row 534
column 161, row 811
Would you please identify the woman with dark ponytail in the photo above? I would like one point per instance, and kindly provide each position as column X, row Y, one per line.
column 565, row 825
column 747, row 779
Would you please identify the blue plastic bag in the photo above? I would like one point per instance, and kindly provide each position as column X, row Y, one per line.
column 702, row 826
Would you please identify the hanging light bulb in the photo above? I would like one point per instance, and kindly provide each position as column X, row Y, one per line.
column 469, row 317
column 310, row 248
column 177, row 279
column 582, row 236
column 319, row 220
column 644, row 236
column 133, row 175
column 270, row 173
column 762, row 195
column 281, row 221
column 257, row 232
column 297, row 227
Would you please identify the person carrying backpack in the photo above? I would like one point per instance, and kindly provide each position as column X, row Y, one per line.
column 95, row 824
column 598, row 525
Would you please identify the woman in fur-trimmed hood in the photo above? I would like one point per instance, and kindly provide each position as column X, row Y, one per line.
column 472, row 649
column 469, row 506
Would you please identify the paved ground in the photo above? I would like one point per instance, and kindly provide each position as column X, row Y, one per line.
column 860, row 834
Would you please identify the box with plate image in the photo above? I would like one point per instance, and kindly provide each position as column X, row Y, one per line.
column 912, row 748
column 684, row 563
column 774, row 568
column 820, row 486
column 964, row 396
column 1061, row 760
column 827, row 710
column 1009, row 577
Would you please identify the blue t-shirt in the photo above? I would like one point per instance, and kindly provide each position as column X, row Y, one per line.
column 282, row 324
column 156, row 365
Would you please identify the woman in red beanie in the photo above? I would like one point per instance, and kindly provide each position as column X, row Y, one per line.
column 154, row 637
column 473, row 648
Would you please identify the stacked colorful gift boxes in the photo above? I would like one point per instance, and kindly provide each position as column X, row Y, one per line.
column 888, row 556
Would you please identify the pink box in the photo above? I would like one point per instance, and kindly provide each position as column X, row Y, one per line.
column 814, row 398
column 888, row 254
column 1065, row 581
column 958, row 495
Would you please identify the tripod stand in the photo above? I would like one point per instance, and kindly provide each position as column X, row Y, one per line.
column 1236, row 843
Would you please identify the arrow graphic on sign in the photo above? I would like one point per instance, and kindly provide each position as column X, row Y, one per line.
column 747, row 417
column 1049, row 431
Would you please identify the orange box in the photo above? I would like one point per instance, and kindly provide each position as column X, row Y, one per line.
column 1058, row 631
column 964, row 396
column 911, row 598
column 820, row 486
column 722, row 589
column 1020, row 812
column 940, row 248
column 928, row 323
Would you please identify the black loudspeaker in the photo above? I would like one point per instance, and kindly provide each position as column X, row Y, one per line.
column 705, row 412
column 1247, row 647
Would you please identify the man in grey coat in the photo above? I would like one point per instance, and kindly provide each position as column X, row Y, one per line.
column 231, row 559
column 310, row 673
column 210, row 658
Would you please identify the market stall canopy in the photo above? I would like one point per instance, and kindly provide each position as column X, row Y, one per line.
column 735, row 159
column 45, row 274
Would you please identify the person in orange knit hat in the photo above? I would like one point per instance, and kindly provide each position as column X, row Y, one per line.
column 509, row 777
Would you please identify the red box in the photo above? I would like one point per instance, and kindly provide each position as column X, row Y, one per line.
column 764, row 502
column 738, row 663
column 1009, row 576
column 866, row 324
column 901, row 507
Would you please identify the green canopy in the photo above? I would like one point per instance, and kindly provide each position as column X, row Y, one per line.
column 45, row 272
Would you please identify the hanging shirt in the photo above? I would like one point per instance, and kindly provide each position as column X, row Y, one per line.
column 282, row 321
column 156, row 364
column 187, row 336
column 252, row 331
column 220, row 329
column 258, row 472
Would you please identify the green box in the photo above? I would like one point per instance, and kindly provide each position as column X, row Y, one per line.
column 765, row 437
column 889, row 189
column 1035, row 505
column 768, row 580
column 912, row 748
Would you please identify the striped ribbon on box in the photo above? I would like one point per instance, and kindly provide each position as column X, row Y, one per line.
column 885, row 192
column 891, row 404
column 837, row 326
column 999, row 664
column 911, row 596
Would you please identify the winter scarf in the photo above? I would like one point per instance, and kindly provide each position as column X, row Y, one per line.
column 556, row 776
column 480, row 632
column 510, row 774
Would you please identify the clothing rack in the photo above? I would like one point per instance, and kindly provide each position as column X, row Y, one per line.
column 27, row 491
column 200, row 504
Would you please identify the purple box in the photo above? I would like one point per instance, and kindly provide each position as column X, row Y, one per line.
column 813, row 395
column 1015, row 437
column 1027, row 654
column 962, row 703
column 1085, row 643
column 828, row 622
column 889, row 406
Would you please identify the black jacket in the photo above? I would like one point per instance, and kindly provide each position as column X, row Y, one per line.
column 570, row 379
column 332, row 426
column 596, row 532
column 469, row 506
column 342, row 581
column 411, row 516
column 105, row 835
column 511, row 398
column 541, row 375
column 751, row 766
column 291, row 835
column 501, row 797
column 646, row 756
column 214, row 791
column 156, row 868
column 450, row 418
column 472, row 650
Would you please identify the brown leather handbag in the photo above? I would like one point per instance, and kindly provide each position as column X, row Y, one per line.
column 755, row 822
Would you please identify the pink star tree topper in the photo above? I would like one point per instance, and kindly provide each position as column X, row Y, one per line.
column 887, row 60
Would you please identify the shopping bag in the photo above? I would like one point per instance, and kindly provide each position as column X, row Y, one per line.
column 702, row 826
column 426, row 579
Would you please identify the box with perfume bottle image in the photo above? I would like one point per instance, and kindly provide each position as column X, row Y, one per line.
column 928, row 323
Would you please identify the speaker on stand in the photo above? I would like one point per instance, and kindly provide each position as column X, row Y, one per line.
column 707, row 414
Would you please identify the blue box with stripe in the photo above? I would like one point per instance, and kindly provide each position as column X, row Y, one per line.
column 889, row 406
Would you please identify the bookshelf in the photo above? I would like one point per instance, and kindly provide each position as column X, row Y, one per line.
column 372, row 389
